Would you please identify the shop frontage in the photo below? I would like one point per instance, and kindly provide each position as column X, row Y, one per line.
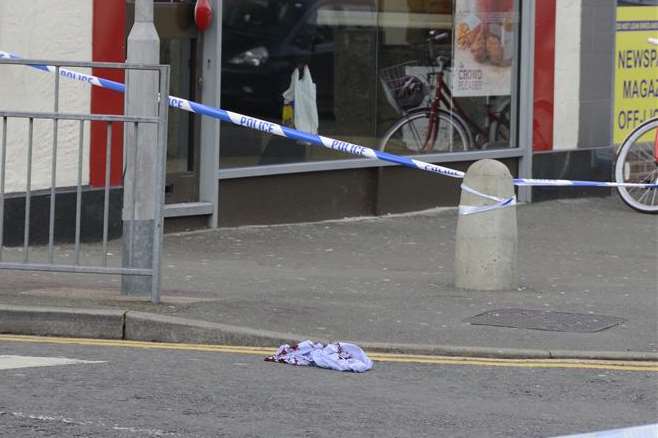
column 377, row 67
column 444, row 81
column 441, row 80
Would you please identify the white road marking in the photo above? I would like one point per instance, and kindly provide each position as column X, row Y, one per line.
column 66, row 420
column 646, row 431
column 11, row 362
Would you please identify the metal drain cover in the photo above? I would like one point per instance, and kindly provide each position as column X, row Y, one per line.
column 546, row 320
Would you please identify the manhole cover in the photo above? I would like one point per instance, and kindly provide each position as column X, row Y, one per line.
column 546, row 320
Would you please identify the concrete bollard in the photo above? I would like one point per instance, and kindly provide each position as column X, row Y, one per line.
column 486, row 246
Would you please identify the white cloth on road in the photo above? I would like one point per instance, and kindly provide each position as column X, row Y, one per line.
column 339, row 356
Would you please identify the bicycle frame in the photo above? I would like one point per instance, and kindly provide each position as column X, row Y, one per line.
column 655, row 149
column 443, row 95
column 441, row 90
column 654, row 41
column 655, row 145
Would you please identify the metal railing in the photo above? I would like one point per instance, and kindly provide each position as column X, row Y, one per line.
column 111, row 122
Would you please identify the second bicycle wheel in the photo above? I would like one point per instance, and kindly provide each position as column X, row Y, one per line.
column 499, row 129
column 636, row 163
column 412, row 135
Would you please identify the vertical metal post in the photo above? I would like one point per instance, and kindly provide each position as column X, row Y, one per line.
column 28, row 192
column 108, row 181
column 210, row 128
column 131, row 214
column 516, row 77
column 526, row 94
column 141, row 100
column 160, row 175
column 2, row 183
column 53, row 175
column 78, row 193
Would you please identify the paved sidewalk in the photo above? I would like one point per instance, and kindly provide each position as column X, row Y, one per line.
column 390, row 279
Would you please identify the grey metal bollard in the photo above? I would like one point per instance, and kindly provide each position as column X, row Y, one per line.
column 486, row 246
column 141, row 100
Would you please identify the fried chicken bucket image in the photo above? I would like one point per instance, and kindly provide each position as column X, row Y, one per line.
column 485, row 45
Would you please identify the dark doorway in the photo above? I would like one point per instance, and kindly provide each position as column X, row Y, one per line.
column 180, row 48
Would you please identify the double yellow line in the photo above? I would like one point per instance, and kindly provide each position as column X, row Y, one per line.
column 612, row 365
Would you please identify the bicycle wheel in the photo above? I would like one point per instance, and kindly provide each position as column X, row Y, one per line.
column 410, row 135
column 499, row 129
column 636, row 163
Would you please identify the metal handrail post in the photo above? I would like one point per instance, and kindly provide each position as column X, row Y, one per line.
column 159, row 195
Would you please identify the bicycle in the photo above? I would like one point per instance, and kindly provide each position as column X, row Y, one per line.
column 637, row 162
column 437, row 124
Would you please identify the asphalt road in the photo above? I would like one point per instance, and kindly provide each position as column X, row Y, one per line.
column 143, row 392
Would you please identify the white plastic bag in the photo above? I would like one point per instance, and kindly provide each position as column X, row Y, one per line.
column 306, row 107
column 302, row 94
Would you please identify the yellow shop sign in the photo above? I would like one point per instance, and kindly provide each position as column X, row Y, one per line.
column 636, row 69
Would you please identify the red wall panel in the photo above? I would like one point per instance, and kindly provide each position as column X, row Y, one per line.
column 544, row 76
column 108, row 45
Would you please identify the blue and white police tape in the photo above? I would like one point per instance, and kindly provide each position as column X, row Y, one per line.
column 498, row 202
column 70, row 74
column 254, row 123
column 330, row 143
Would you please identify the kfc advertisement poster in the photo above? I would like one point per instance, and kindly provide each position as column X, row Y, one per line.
column 484, row 47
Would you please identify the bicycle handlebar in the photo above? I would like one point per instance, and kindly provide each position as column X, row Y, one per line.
column 437, row 36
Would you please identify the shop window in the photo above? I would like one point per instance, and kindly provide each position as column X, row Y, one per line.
column 447, row 72
column 374, row 70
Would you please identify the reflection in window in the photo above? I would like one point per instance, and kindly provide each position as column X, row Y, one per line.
column 447, row 83
column 264, row 41
column 354, row 49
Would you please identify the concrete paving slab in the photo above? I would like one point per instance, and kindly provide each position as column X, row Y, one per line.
column 389, row 280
